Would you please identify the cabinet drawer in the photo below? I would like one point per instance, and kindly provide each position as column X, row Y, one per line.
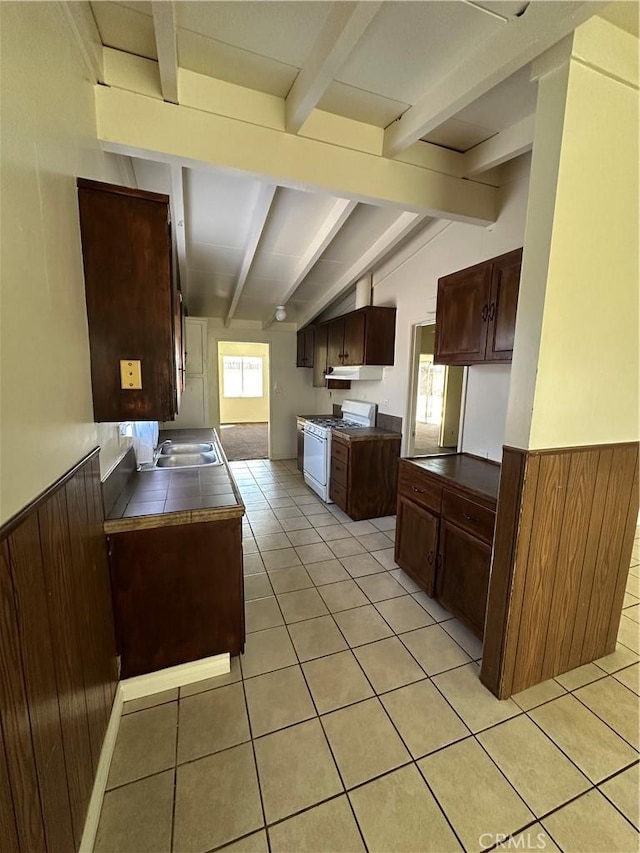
column 476, row 519
column 338, row 471
column 338, row 495
column 339, row 450
column 418, row 488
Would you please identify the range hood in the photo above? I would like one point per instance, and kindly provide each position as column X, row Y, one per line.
column 361, row 371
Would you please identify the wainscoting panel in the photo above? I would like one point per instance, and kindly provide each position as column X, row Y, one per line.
column 57, row 662
column 564, row 532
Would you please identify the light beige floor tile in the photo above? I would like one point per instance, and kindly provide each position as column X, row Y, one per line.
column 538, row 694
column 385, row 522
column 300, row 522
column 265, row 528
column 344, row 595
column 329, row 827
column 633, row 613
column 359, row 565
column 336, row 681
column 380, row 587
column 404, row 580
column 404, row 614
column 630, row 677
column 314, row 553
column 150, row 701
column 478, row 707
column 304, row 537
column 437, row 612
column 633, row 585
column 464, row 638
column 540, row 773
column 254, row 843
column 217, row 800
column 328, row 571
column 333, row 532
column 277, row 699
column 342, row 517
column 374, row 541
column 265, row 651
column 386, row 558
column 624, row 792
column 388, row 664
column 262, row 613
column 137, row 817
column 364, row 742
column 580, row 676
column 283, row 558
column 589, row 743
column 290, row 580
column 212, row 721
column 619, row 659
column 434, row 649
column 629, row 633
column 289, row 512
column 417, row 824
column 315, row 638
column 534, row 837
column 616, row 705
column 146, row 744
column 363, row 625
column 257, row 586
column 301, row 605
column 475, row 796
column 217, row 681
column 272, row 542
column 346, row 547
column 296, row 769
column 320, row 520
column 360, row 528
column 591, row 824
column 253, row 564
column 423, row 718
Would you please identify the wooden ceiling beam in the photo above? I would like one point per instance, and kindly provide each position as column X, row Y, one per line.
column 504, row 146
column 512, row 46
column 260, row 215
column 343, row 28
column 87, row 36
column 164, row 27
column 338, row 215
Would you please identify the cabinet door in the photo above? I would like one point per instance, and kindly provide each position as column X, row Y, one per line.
column 416, row 543
column 320, row 357
column 309, row 337
column 335, row 343
column 354, row 328
column 300, row 349
column 462, row 577
column 461, row 316
column 505, row 283
column 299, row 447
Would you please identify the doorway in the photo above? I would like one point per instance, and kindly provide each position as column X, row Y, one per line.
column 243, row 391
column 436, row 399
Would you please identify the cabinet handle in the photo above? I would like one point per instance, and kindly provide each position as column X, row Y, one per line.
column 416, row 489
column 345, row 355
column 471, row 518
column 492, row 310
column 485, row 313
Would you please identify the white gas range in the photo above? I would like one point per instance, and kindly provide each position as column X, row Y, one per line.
column 356, row 414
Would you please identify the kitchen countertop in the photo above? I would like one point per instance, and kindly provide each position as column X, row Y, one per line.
column 363, row 433
column 477, row 475
column 165, row 497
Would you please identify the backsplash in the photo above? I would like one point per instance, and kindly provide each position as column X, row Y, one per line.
column 384, row 421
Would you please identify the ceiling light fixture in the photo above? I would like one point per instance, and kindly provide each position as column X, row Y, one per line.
column 281, row 313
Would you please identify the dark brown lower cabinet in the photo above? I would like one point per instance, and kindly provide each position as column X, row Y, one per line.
column 416, row 546
column 364, row 474
column 178, row 593
column 463, row 575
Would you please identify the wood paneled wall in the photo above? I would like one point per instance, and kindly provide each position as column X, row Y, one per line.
column 58, row 669
column 564, row 533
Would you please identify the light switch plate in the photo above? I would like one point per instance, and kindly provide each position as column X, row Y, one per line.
column 130, row 375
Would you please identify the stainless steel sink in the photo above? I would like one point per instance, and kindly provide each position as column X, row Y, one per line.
column 188, row 460
column 172, row 449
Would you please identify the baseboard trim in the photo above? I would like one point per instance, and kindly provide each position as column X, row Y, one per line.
column 102, row 774
column 174, row 676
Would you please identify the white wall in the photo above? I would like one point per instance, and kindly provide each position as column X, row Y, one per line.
column 291, row 392
column 409, row 281
column 48, row 138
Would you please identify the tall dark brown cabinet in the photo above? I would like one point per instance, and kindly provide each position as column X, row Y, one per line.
column 133, row 305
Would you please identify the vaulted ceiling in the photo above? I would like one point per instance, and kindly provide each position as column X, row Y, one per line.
column 382, row 116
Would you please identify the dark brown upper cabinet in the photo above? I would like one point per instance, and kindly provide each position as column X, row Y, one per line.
column 365, row 336
column 476, row 312
column 133, row 306
column 305, row 347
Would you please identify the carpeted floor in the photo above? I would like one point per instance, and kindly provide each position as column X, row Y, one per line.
column 245, row 441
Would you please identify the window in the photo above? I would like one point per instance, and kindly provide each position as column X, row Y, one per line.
column 242, row 376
